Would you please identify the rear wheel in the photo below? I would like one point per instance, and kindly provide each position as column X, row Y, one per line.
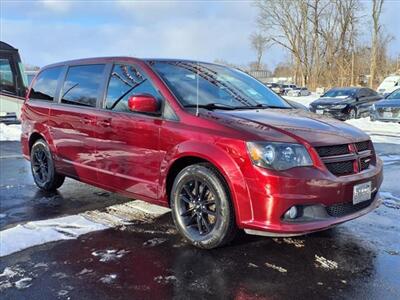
column 42, row 166
column 201, row 207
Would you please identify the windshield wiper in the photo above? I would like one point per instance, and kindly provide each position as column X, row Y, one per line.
column 258, row 106
column 211, row 106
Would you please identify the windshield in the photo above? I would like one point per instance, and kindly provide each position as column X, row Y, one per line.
column 216, row 85
column 394, row 95
column 339, row 93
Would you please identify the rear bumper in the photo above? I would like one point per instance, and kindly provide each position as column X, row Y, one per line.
column 317, row 191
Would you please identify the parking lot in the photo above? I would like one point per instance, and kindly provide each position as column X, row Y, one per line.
column 147, row 258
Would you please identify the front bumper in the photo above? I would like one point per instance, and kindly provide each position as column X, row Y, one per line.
column 273, row 195
column 341, row 114
column 378, row 115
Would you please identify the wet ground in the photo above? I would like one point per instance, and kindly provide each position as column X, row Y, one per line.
column 359, row 259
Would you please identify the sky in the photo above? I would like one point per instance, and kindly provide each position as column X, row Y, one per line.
column 50, row 31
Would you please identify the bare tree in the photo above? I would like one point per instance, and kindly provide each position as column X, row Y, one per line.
column 259, row 43
column 376, row 13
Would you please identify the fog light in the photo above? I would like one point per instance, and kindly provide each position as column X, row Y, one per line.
column 291, row 213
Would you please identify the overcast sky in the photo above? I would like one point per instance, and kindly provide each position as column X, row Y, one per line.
column 47, row 32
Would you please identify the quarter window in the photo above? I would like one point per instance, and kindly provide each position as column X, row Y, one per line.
column 45, row 85
column 126, row 81
column 82, row 85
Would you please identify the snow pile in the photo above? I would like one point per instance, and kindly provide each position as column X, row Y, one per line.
column 305, row 100
column 380, row 132
column 40, row 232
column 10, row 132
column 36, row 233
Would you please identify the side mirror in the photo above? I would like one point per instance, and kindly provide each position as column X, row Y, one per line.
column 144, row 104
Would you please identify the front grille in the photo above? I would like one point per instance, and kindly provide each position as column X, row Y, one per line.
column 333, row 150
column 362, row 146
column 343, row 209
column 341, row 168
column 346, row 159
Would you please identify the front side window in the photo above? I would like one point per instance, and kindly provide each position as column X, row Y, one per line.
column 126, row 81
column 82, row 85
column 45, row 85
column 394, row 95
column 210, row 84
column 7, row 82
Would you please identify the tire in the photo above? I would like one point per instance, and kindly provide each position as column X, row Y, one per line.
column 352, row 114
column 201, row 207
column 42, row 167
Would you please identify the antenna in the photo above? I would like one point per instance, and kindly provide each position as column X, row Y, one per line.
column 197, row 89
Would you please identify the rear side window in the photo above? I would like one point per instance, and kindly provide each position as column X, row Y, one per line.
column 45, row 85
column 82, row 85
column 126, row 81
column 6, row 76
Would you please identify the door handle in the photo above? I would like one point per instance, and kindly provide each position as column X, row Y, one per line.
column 104, row 123
column 86, row 121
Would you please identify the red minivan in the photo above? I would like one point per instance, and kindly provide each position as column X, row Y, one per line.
column 211, row 142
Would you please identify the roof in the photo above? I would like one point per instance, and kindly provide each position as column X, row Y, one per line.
column 5, row 46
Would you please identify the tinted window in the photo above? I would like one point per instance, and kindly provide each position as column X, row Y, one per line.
column 82, row 85
column 371, row 93
column 125, row 81
column 45, row 85
column 339, row 93
column 394, row 95
column 214, row 84
column 6, row 76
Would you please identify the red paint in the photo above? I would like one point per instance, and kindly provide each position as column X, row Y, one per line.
column 143, row 103
column 132, row 153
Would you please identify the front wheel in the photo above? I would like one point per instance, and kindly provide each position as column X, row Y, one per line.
column 42, row 166
column 201, row 207
column 352, row 113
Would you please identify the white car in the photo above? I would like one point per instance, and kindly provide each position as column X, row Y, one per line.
column 388, row 85
column 297, row 92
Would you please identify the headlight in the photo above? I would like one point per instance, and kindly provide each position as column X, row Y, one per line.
column 339, row 106
column 278, row 156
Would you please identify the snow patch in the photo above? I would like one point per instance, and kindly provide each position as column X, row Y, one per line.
column 380, row 132
column 165, row 279
column 108, row 279
column 40, row 232
column 305, row 100
column 23, row 283
column 390, row 200
column 109, row 255
column 10, row 132
column 325, row 263
column 154, row 242
column 275, row 267
column 36, row 233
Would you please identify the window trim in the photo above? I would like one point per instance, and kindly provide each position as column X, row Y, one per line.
column 131, row 113
column 100, row 89
column 56, row 92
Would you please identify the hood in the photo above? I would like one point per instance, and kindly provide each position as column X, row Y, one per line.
column 388, row 103
column 291, row 124
column 330, row 101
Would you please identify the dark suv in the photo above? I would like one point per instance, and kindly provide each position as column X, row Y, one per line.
column 211, row 142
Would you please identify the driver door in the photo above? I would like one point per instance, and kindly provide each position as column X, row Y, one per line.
column 128, row 156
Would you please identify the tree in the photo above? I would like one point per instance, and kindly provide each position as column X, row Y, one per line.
column 259, row 43
column 376, row 13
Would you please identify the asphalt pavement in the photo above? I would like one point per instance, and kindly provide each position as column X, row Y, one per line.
column 149, row 260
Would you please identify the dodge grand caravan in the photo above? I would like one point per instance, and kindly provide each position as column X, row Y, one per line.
column 211, row 142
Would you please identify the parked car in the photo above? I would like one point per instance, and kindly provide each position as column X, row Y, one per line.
column 298, row 92
column 388, row 85
column 276, row 87
column 388, row 109
column 287, row 88
column 211, row 142
column 345, row 103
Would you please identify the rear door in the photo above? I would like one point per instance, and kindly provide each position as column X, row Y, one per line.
column 128, row 143
column 73, row 118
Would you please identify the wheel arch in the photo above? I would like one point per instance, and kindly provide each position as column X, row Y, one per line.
column 222, row 162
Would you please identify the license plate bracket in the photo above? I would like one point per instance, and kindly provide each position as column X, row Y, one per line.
column 362, row 192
